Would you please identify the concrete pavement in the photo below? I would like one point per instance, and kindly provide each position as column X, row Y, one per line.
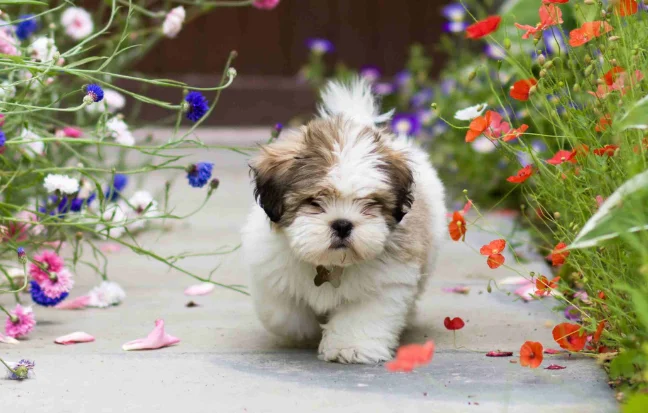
column 227, row 362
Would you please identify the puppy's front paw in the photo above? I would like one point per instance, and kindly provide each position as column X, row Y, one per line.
column 350, row 352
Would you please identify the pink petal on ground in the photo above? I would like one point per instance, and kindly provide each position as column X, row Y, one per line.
column 200, row 289
column 460, row 289
column 552, row 351
column 555, row 367
column 8, row 340
column 499, row 353
column 73, row 338
column 75, row 304
column 526, row 291
column 110, row 247
column 156, row 339
column 515, row 280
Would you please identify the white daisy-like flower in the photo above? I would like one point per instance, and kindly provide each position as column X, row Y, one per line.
column 483, row 145
column 112, row 102
column 115, row 221
column 77, row 22
column 106, row 294
column 34, row 148
column 142, row 205
column 42, row 49
column 119, row 130
column 173, row 22
column 471, row 112
column 62, row 183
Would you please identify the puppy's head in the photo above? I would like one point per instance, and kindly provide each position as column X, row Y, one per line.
column 336, row 189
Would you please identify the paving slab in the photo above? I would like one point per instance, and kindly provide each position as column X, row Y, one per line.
column 227, row 362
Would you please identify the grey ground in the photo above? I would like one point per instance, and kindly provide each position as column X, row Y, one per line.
column 226, row 361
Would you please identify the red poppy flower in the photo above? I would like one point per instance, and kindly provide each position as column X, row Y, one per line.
column 520, row 89
column 608, row 150
column 599, row 331
column 493, row 251
column 626, row 8
column 555, row 1
column 478, row 126
column 457, row 228
column 550, row 15
column 544, row 286
column 558, row 258
column 612, row 75
column 587, row 32
column 522, row 175
column 568, row 336
column 411, row 356
column 453, row 324
column 552, row 351
column 562, row 156
column 515, row 133
column 604, row 123
column 531, row 354
column 483, row 28
column 601, row 295
column 580, row 150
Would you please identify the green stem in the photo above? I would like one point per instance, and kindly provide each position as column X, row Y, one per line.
column 7, row 366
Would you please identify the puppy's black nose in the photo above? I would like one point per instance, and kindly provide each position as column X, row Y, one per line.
column 342, row 227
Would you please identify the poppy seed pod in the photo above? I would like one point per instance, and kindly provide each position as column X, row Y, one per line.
column 541, row 60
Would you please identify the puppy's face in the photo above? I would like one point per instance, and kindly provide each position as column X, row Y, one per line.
column 336, row 189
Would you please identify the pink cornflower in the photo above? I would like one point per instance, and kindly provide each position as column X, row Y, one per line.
column 57, row 284
column 48, row 262
column 20, row 322
column 8, row 43
column 265, row 4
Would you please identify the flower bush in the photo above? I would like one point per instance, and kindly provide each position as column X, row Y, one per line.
column 67, row 193
column 550, row 120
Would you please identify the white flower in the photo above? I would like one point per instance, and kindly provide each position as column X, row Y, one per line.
column 483, row 145
column 471, row 112
column 43, row 49
column 62, row 183
column 36, row 147
column 107, row 294
column 7, row 91
column 113, row 101
column 142, row 205
column 115, row 220
column 173, row 22
column 119, row 130
column 77, row 22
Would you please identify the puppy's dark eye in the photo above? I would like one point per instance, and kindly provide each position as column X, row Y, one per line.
column 370, row 207
column 314, row 205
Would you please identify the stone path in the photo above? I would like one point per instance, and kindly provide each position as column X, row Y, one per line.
column 226, row 361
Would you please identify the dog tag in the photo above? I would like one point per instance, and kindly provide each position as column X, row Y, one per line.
column 324, row 275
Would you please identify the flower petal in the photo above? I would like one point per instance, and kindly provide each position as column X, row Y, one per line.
column 157, row 338
column 555, row 367
column 8, row 340
column 200, row 289
column 499, row 354
column 75, row 304
column 76, row 337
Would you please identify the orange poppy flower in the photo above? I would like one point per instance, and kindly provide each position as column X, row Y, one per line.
column 612, row 75
column 493, row 251
column 558, row 258
column 454, row 324
column 411, row 356
column 555, row 1
column 544, row 286
column 483, row 28
column 626, row 8
column 568, row 336
column 599, row 330
column 587, row 32
column 531, row 354
column 457, row 228
column 515, row 133
column 478, row 126
column 562, row 156
column 522, row 175
column 604, row 123
column 601, row 295
column 608, row 150
column 550, row 15
column 521, row 89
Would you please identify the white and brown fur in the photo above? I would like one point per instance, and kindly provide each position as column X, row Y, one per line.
column 343, row 166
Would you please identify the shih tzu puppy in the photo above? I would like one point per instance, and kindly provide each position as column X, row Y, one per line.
column 346, row 230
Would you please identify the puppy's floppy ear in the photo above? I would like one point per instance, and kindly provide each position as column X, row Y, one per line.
column 402, row 181
column 269, row 193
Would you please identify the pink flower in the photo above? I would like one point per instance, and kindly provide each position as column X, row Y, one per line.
column 50, row 263
column 8, row 43
column 61, row 282
column 69, row 132
column 157, row 338
column 19, row 231
column 20, row 322
column 497, row 127
column 265, row 4
column 73, row 338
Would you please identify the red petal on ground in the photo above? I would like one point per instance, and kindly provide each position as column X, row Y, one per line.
column 499, row 353
column 555, row 367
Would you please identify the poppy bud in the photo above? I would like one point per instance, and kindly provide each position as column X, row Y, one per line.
column 549, row 65
column 589, row 70
column 588, row 59
column 589, row 2
column 556, row 215
column 613, row 38
column 507, row 43
column 488, row 288
column 465, row 191
column 541, row 60
column 472, row 75
column 213, row 184
column 433, row 105
column 532, row 90
column 561, row 84
column 614, row 62
column 79, row 235
column 543, row 73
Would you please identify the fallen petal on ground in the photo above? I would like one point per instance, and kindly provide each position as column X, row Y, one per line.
column 75, row 304
column 157, row 338
column 555, row 367
column 73, row 338
column 8, row 340
column 200, row 289
column 499, row 353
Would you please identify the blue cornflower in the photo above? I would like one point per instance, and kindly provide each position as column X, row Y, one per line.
column 119, row 183
column 319, row 46
column 371, row 73
column 56, row 206
column 406, row 124
column 198, row 106
column 21, row 370
column 26, row 27
column 403, row 79
column 22, row 256
column 199, row 174
column 554, row 41
column 95, row 92
column 422, row 98
column 454, row 12
column 40, row 298
column 495, row 52
column 78, row 203
column 3, row 139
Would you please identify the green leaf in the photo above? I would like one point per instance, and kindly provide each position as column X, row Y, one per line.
column 636, row 404
column 635, row 118
column 640, row 302
column 16, row 59
column 623, row 365
column 17, row 2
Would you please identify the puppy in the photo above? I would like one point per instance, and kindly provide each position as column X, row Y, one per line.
column 346, row 230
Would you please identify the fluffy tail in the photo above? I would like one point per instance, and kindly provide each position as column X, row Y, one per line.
column 353, row 100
